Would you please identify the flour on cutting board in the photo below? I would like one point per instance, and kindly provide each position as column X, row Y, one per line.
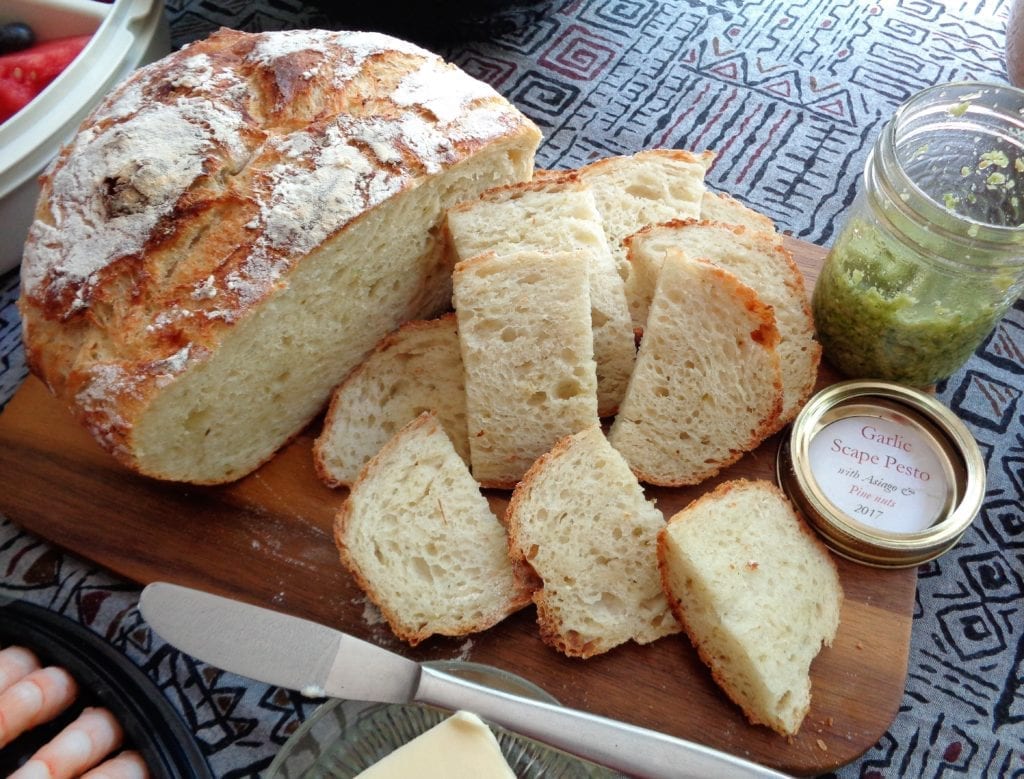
column 371, row 614
column 464, row 650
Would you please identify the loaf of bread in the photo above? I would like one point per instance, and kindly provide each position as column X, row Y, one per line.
column 415, row 369
column 645, row 188
column 557, row 212
column 422, row 543
column 579, row 519
column 757, row 594
column 707, row 385
column 758, row 259
column 237, row 225
column 528, row 354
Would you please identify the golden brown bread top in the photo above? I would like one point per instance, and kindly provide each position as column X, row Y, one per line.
column 190, row 192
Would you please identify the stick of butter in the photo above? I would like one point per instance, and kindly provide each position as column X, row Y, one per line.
column 461, row 747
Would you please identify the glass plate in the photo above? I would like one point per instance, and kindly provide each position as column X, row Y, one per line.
column 345, row 737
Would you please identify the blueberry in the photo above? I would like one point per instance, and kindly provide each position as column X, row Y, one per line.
column 15, row 37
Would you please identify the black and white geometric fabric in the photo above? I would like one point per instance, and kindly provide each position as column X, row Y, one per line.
column 791, row 96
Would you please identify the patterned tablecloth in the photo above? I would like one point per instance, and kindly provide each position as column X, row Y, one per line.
column 791, row 96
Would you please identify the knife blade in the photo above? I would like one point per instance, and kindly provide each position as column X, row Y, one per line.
column 298, row 654
column 274, row 648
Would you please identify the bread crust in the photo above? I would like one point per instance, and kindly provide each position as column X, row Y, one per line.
column 683, row 156
column 146, row 255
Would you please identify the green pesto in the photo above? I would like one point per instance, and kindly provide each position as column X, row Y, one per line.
column 881, row 313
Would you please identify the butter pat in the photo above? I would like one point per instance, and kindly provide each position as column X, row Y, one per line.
column 460, row 747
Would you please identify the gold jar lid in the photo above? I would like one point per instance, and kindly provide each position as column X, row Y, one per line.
column 886, row 474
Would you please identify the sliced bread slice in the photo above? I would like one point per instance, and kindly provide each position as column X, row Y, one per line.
column 707, row 385
column 415, row 369
column 720, row 207
column 758, row 259
column 556, row 213
column 579, row 519
column 421, row 541
column 757, row 594
column 527, row 348
column 646, row 188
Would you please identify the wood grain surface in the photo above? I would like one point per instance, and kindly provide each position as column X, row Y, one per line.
column 267, row 539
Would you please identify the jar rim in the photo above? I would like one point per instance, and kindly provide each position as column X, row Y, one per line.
column 940, row 218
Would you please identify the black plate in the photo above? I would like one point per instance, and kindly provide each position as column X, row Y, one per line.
column 105, row 678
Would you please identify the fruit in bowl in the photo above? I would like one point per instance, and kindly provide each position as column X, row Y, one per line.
column 81, row 49
column 28, row 70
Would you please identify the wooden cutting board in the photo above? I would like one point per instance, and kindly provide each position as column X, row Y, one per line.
column 267, row 539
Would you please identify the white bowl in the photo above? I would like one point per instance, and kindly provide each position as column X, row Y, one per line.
column 126, row 34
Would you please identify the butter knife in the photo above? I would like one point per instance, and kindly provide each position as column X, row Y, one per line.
column 298, row 654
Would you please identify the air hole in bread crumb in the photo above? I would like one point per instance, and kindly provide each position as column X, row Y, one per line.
column 197, row 420
column 644, row 191
column 487, row 326
column 612, row 603
column 422, row 569
column 537, row 399
column 568, row 389
column 674, row 295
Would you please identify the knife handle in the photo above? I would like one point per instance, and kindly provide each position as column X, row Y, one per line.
column 617, row 745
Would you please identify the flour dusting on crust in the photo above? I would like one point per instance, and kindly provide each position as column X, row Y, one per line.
column 107, row 197
column 187, row 130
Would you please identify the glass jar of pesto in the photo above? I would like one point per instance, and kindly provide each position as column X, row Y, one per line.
column 932, row 251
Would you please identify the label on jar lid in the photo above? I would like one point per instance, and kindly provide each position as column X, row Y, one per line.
column 880, row 472
column 886, row 474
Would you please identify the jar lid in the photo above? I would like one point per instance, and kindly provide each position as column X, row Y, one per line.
column 886, row 474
